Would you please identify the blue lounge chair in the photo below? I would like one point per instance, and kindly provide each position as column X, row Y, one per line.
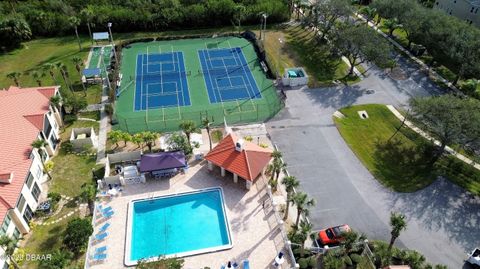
column 246, row 264
column 107, row 214
column 104, row 227
column 100, row 250
column 101, row 236
column 104, row 209
column 99, row 257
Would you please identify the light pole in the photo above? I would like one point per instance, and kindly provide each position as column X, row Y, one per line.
column 264, row 26
column 109, row 25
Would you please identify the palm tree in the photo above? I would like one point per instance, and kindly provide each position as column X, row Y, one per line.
column 50, row 68
column 14, row 76
column 206, row 123
column 39, row 145
column 189, row 127
column 398, row 223
column 64, row 72
column 78, row 62
column 369, row 13
column 86, row 15
column 55, row 101
column 351, row 239
column 303, row 232
column 37, row 77
column 303, row 204
column 290, row 183
column 391, row 25
column 9, row 245
column 88, row 195
column 74, row 22
column 277, row 160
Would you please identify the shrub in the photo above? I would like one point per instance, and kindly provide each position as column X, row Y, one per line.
column 347, row 261
column 355, row 258
column 109, row 109
column 59, row 260
column 76, row 235
column 312, row 261
column 54, row 199
column 67, row 147
column 331, row 261
column 303, row 262
column 69, row 119
column 162, row 263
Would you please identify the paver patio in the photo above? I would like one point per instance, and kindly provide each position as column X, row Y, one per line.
column 255, row 232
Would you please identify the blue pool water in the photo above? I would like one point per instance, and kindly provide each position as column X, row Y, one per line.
column 177, row 224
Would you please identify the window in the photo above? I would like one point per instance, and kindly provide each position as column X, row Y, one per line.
column 39, row 172
column 48, row 127
column 29, row 180
column 35, row 191
column 6, row 265
column 28, row 214
column 5, row 224
column 16, row 234
column 476, row 10
column 21, row 203
column 471, row 10
column 54, row 141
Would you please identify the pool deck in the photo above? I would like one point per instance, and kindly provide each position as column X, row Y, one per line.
column 255, row 232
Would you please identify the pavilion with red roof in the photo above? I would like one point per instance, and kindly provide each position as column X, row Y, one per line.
column 239, row 157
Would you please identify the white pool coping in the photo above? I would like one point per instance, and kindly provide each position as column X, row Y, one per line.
column 128, row 232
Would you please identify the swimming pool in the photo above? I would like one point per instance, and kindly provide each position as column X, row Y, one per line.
column 177, row 225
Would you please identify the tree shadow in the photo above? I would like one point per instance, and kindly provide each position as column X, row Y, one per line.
column 403, row 167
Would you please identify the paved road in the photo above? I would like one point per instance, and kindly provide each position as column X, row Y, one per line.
column 443, row 220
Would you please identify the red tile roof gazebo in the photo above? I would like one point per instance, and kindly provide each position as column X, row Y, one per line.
column 242, row 158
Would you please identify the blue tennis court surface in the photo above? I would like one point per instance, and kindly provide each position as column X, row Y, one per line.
column 227, row 75
column 161, row 81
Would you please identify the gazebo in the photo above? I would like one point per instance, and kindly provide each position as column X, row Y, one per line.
column 242, row 158
column 163, row 164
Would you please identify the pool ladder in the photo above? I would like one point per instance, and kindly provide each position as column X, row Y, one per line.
column 151, row 196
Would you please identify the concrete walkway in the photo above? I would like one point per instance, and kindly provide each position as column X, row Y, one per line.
column 427, row 136
column 104, row 126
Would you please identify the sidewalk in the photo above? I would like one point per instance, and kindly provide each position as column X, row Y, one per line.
column 427, row 136
column 104, row 126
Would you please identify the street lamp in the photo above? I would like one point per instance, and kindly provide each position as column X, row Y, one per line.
column 263, row 26
column 109, row 25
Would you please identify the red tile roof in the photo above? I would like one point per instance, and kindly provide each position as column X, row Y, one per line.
column 247, row 164
column 21, row 119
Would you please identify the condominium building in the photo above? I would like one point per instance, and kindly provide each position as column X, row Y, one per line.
column 25, row 116
column 467, row 10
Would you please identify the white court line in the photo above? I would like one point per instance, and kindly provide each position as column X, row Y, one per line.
column 180, row 78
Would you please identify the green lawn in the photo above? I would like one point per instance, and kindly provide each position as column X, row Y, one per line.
column 402, row 162
column 297, row 46
column 37, row 52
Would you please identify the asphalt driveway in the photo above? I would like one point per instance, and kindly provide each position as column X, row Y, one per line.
column 443, row 220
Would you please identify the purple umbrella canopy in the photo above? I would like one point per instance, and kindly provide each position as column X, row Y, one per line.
column 162, row 160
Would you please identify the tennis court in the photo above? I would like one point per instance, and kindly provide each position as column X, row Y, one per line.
column 164, row 83
column 227, row 76
column 161, row 81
